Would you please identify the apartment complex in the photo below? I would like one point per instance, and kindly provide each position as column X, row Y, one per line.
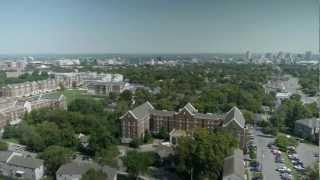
column 15, row 165
column 12, row 110
column 34, row 87
column 145, row 117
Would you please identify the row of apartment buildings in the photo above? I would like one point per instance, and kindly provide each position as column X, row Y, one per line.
column 12, row 110
column 145, row 117
column 35, row 87
column 97, row 84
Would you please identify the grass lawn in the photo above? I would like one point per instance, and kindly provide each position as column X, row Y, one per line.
column 72, row 94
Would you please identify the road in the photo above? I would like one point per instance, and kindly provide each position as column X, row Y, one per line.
column 293, row 87
column 265, row 156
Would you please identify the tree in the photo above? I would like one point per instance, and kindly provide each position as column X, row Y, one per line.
column 54, row 157
column 93, row 174
column 108, row 156
column 313, row 172
column 86, row 106
column 249, row 117
column 202, row 155
column 126, row 96
column 135, row 143
column 283, row 142
column 3, row 146
column 137, row 162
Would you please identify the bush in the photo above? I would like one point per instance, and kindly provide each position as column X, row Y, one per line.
column 270, row 130
column 3, row 146
column 283, row 142
column 252, row 154
column 135, row 143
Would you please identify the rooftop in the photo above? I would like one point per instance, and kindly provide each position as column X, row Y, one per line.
column 25, row 162
column 312, row 122
column 235, row 115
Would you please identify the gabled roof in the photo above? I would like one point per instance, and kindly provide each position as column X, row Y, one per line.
column 311, row 123
column 190, row 108
column 74, row 168
column 208, row 116
column 162, row 113
column 26, row 162
column 233, row 165
column 141, row 111
column 234, row 115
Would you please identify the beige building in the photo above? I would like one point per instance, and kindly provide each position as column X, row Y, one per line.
column 12, row 110
column 34, row 88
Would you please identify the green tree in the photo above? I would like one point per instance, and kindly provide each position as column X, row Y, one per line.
column 126, row 96
column 54, row 157
column 313, row 172
column 93, row 174
column 3, row 146
column 202, row 155
column 85, row 106
column 137, row 162
column 108, row 156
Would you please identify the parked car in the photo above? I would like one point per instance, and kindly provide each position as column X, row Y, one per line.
column 254, row 164
column 284, row 169
column 286, row 176
column 299, row 168
column 257, row 178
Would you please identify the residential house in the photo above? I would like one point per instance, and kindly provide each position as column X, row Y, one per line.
column 15, row 165
column 75, row 170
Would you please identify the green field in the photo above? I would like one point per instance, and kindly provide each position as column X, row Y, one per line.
column 72, row 94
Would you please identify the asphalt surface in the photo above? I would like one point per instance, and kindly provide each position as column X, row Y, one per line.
column 306, row 153
column 292, row 86
column 265, row 156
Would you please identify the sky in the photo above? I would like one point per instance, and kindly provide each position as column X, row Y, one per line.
column 158, row 26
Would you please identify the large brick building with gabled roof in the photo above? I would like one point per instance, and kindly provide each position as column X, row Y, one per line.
column 145, row 117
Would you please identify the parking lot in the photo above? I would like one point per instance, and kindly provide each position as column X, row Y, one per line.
column 275, row 166
column 265, row 156
column 306, row 153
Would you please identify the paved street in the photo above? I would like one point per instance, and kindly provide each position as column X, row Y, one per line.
column 267, row 158
column 292, row 86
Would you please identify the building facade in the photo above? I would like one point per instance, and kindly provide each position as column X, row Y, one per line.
column 144, row 118
column 34, row 88
column 13, row 110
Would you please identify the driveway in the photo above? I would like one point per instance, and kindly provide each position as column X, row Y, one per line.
column 265, row 156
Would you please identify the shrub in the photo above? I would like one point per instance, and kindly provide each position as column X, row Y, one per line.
column 135, row 143
column 283, row 142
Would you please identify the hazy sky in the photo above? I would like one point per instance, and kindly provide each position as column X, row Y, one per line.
column 157, row 26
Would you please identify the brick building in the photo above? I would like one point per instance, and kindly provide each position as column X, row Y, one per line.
column 145, row 117
column 12, row 110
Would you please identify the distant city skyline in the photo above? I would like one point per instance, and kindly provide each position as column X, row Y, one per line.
column 158, row 27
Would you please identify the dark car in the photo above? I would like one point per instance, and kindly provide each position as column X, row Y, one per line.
column 257, row 178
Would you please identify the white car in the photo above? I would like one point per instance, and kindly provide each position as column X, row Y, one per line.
column 299, row 168
column 286, row 176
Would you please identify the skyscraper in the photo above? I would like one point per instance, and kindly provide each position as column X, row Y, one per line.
column 308, row 55
column 248, row 55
